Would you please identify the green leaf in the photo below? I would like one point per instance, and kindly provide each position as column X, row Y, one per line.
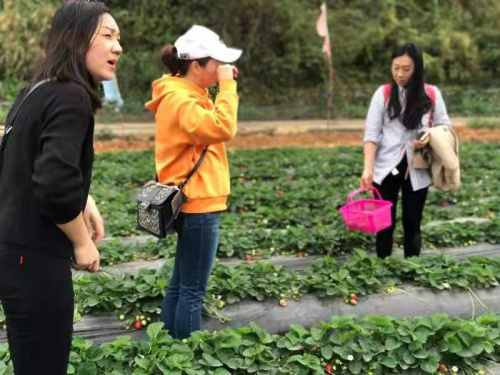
column 429, row 366
column 408, row 358
column 211, row 361
column 221, row 371
column 154, row 329
column 142, row 363
column 477, row 347
column 488, row 347
column 87, row 368
column 466, row 337
column 392, row 344
column 231, row 342
column 93, row 300
column 327, row 351
column 389, row 362
column 94, row 354
column 355, row 367
column 163, row 369
column 343, row 273
column 367, row 357
column 420, row 354
column 235, row 363
column 317, row 332
column 455, row 345
column 301, row 331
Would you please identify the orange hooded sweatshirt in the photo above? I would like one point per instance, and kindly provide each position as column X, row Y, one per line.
column 187, row 120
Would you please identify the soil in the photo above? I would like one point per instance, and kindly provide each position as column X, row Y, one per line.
column 310, row 139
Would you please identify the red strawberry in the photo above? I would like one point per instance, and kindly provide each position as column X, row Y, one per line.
column 257, row 255
column 329, row 369
column 442, row 367
column 282, row 303
column 302, row 347
column 444, row 204
column 300, row 255
column 248, row 258
column 138, row 325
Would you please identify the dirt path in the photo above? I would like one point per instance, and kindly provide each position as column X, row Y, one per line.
column 311, row 139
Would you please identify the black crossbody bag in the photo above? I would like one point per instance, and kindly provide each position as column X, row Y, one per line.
column 159, row 205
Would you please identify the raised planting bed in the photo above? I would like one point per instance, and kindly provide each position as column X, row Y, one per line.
column 343, row 345
column 139, row 297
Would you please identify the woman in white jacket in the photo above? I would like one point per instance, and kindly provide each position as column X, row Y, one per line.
column 399, row 113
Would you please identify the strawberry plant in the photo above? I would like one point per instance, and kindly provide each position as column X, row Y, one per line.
column 376, row 345
column 312, row 183
column 361, row 275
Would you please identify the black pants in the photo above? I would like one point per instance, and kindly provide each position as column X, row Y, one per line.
column 413, row 207
column 37, row 298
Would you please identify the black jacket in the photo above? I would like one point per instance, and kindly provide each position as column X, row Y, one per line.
column 46, row 167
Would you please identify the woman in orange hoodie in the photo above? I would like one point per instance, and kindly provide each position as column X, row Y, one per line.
column 187, row 123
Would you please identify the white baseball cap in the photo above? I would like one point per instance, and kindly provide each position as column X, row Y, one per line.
column 199, row 42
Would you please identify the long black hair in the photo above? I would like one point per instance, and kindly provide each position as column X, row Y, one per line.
column 417, row 101
column 71, row 33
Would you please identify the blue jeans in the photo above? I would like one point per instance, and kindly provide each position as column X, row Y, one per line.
column 196, row 248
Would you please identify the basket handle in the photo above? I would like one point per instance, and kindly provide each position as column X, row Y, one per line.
column 373, row 189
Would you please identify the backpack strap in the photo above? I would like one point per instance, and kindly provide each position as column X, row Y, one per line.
column 431, row 93
column 429, row 90
column 387, row 93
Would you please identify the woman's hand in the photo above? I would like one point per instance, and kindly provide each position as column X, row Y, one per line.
column 366, row 181
column 86, row 257
column 85, row 253
column 93, row 221
column 418, row 145
column 227, row 71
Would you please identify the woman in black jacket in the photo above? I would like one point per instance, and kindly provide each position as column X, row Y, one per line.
column 48, row 221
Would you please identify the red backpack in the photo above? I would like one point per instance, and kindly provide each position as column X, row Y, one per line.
column 431, row 93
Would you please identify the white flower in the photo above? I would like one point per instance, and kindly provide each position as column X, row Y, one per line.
column 350, row 358
column 454, row 369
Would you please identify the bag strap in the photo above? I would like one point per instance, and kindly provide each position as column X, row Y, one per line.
column 12, row 118
column 9, row 123
column 195, row 168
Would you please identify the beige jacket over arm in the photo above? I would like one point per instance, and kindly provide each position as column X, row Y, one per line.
column 444, row 158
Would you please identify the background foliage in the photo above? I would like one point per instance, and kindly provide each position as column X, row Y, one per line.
column 282, row 69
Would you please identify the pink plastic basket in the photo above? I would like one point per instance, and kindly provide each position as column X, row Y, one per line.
column 367, row 215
